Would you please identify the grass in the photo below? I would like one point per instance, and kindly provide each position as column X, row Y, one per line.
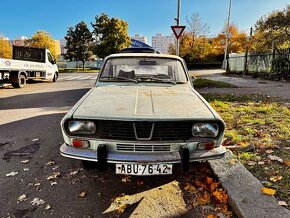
column 263, row 123
column 75, row 70
column 207, row 83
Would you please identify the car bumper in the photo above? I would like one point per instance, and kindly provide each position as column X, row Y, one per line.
column 148, row 157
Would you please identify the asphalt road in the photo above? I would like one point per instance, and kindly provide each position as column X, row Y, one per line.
column 30, row 138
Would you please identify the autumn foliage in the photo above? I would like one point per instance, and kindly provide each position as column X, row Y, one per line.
column 5, row 49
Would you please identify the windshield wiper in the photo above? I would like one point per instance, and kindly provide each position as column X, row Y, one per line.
column 119, row 77
column 153, row 78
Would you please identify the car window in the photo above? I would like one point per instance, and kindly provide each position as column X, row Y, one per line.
column 50, row 58
column 140, row 67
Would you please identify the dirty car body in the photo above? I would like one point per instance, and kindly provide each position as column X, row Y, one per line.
column 143, row 115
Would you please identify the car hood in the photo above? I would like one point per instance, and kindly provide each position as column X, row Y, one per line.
column 176, row 102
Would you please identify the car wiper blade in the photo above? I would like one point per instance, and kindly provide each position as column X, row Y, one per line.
column 166, row 80
column 119, row 77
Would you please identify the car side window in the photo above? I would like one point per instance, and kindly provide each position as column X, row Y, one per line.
column 50, row 59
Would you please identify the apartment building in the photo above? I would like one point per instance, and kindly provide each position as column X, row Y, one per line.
column 140, row 38
column 162, row 43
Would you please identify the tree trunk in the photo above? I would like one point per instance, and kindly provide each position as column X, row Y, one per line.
column 83, row 65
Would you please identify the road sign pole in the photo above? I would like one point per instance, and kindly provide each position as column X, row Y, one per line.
column 177, row 23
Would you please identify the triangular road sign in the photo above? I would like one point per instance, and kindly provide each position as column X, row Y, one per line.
column 177, row 30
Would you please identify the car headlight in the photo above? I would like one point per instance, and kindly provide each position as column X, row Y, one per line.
column 205, row 130
column 82, row 127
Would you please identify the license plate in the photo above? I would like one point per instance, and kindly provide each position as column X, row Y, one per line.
column 144, row 169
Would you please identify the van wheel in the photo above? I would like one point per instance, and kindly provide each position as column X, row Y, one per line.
column 20, row 82
column 55, row 77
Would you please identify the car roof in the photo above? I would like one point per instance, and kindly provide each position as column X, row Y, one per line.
column 153, row 55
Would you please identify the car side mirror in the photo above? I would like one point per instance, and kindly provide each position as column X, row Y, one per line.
column 53, row 62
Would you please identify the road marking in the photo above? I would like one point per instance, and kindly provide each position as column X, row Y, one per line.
column 88, row 77
column 74, row 78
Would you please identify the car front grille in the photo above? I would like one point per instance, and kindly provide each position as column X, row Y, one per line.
column 146, row 131
column 143, row 147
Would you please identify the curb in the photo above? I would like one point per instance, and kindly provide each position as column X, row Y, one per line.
column 244, row 190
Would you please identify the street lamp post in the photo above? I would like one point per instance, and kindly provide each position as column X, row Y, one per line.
column 225, row 63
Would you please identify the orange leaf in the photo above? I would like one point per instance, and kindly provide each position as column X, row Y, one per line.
column 211, row 216
column 200, row 184
column 209, row 180
column 220, row 195
column 268, row 191
column 203, row 199
column 214, row 185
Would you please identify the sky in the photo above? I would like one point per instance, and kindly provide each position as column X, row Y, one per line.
column 146, row 17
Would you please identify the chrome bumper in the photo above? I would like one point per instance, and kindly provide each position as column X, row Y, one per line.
column 148, row 157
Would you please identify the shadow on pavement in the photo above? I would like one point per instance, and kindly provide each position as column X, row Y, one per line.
column 45, row 99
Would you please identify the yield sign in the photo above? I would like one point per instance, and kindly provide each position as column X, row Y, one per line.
column 177, row 30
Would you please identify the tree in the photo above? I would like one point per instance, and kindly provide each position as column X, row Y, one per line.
column 43, row 39
column 111, row 35
column 79, row 42
column 196, row 26
column 272, row 28
column 237, row 41
column 5, row 49
column 199, row 52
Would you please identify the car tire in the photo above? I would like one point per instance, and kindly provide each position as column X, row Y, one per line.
column 55, row 77
column 21, row 82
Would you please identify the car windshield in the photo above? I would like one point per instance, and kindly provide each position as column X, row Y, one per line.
column 143, row 69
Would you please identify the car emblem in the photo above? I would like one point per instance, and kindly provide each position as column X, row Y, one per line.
column 139, row 127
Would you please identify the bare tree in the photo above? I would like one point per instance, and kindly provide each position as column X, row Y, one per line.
column 196, row 26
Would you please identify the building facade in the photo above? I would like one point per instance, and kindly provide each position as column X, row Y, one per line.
column 162, row 43
column 140, row 38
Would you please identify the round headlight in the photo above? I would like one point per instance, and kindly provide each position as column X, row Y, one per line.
column 205, row 130
column 82, row 127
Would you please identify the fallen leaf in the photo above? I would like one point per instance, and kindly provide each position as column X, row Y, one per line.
column 268, row 191
column 47, row 207
column 276, row 178
column 22, row 197
column 287, row 162
column 190, row 188
column 251, row 163
column 37, row 201
column 49, row 163
column 73, row 173
column 53, row 183
column 37, row 184
column 261, row 163
column 202, row 199
column 25, row 169
column 82, row 194
column 200, row 184
column 211, row 216
column 35, row 140
column 232, row 161
column 126, row 179
column 11, row 174
column 209, row 180
column 53, row 176
column 282, row 203
column 269, row 151
column 24, row 161
column 121, row 208
column 56, row 167
column 220, row 195
column 273, row 157
column 214, row 185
